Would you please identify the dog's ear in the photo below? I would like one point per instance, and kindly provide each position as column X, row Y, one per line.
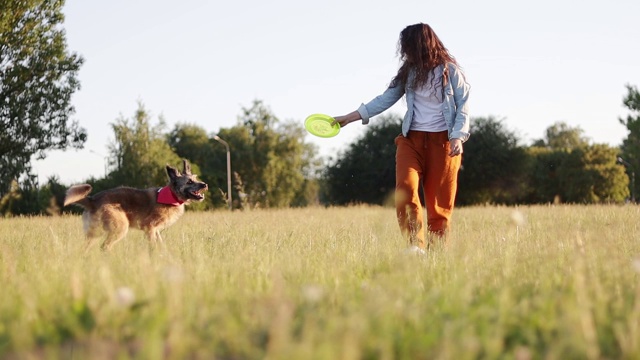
column 172, row 172
column 187, row 167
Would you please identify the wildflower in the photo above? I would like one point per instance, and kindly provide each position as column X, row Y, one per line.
column 125, row 296
column 636, row 264
column 518, row 218
column 312, row 293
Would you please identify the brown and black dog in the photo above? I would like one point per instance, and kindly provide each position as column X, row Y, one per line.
column 150, row 210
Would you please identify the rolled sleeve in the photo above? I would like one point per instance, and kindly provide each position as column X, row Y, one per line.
column 364, row 114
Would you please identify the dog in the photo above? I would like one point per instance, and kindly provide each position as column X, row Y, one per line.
column 116, row 210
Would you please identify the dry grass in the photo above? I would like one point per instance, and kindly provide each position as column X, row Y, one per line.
column 533, row 282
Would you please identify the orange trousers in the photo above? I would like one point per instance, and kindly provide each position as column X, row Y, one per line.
column 422, row 160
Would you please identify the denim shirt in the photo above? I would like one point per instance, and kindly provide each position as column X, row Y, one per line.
column 455, row 107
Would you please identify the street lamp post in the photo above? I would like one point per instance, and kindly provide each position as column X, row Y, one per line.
column 218, row 139
column 633, row 178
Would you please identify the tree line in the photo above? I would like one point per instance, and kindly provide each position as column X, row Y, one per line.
column 272, row 164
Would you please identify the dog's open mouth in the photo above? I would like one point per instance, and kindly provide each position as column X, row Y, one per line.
column 197, row 194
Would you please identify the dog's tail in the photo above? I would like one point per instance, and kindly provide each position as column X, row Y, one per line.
column 77, row 194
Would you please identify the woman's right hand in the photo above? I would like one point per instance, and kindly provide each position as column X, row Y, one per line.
column 342, row 120
column 346, row 119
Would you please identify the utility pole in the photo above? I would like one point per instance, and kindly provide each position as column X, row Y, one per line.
column 633, row 178
column 226, row 145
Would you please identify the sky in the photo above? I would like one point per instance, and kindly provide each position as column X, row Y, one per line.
column 200, row 62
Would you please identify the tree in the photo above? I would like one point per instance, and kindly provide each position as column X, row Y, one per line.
column 365, row 171
column 591, row 175
column 140, row 152
column 630, row 149
column 562, row 136
column 586, row 174
column 270, row 161
column 37, row 78
column 31, row 198
column 270, row 158
column 544, row 175
column 494, row 165
column 567, row 168
column 192, row 142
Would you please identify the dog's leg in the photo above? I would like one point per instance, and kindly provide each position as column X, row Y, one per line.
column 152, row 236
column 91, row 229
column 116, row 225
column 113, row 237
column 160, row 240
column 156, row 242
column 91, row 237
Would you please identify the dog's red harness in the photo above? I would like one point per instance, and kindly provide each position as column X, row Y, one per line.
column 166, row 196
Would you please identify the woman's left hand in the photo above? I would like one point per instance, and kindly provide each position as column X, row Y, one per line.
column 455, row 147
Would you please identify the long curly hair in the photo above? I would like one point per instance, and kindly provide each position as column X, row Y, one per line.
column 420, row 49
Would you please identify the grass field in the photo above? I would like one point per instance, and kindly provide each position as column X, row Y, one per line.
column 547, row 282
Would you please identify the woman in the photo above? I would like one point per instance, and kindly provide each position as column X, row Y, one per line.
column 436, row 124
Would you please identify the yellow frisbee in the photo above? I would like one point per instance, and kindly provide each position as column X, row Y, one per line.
column 320, row 125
